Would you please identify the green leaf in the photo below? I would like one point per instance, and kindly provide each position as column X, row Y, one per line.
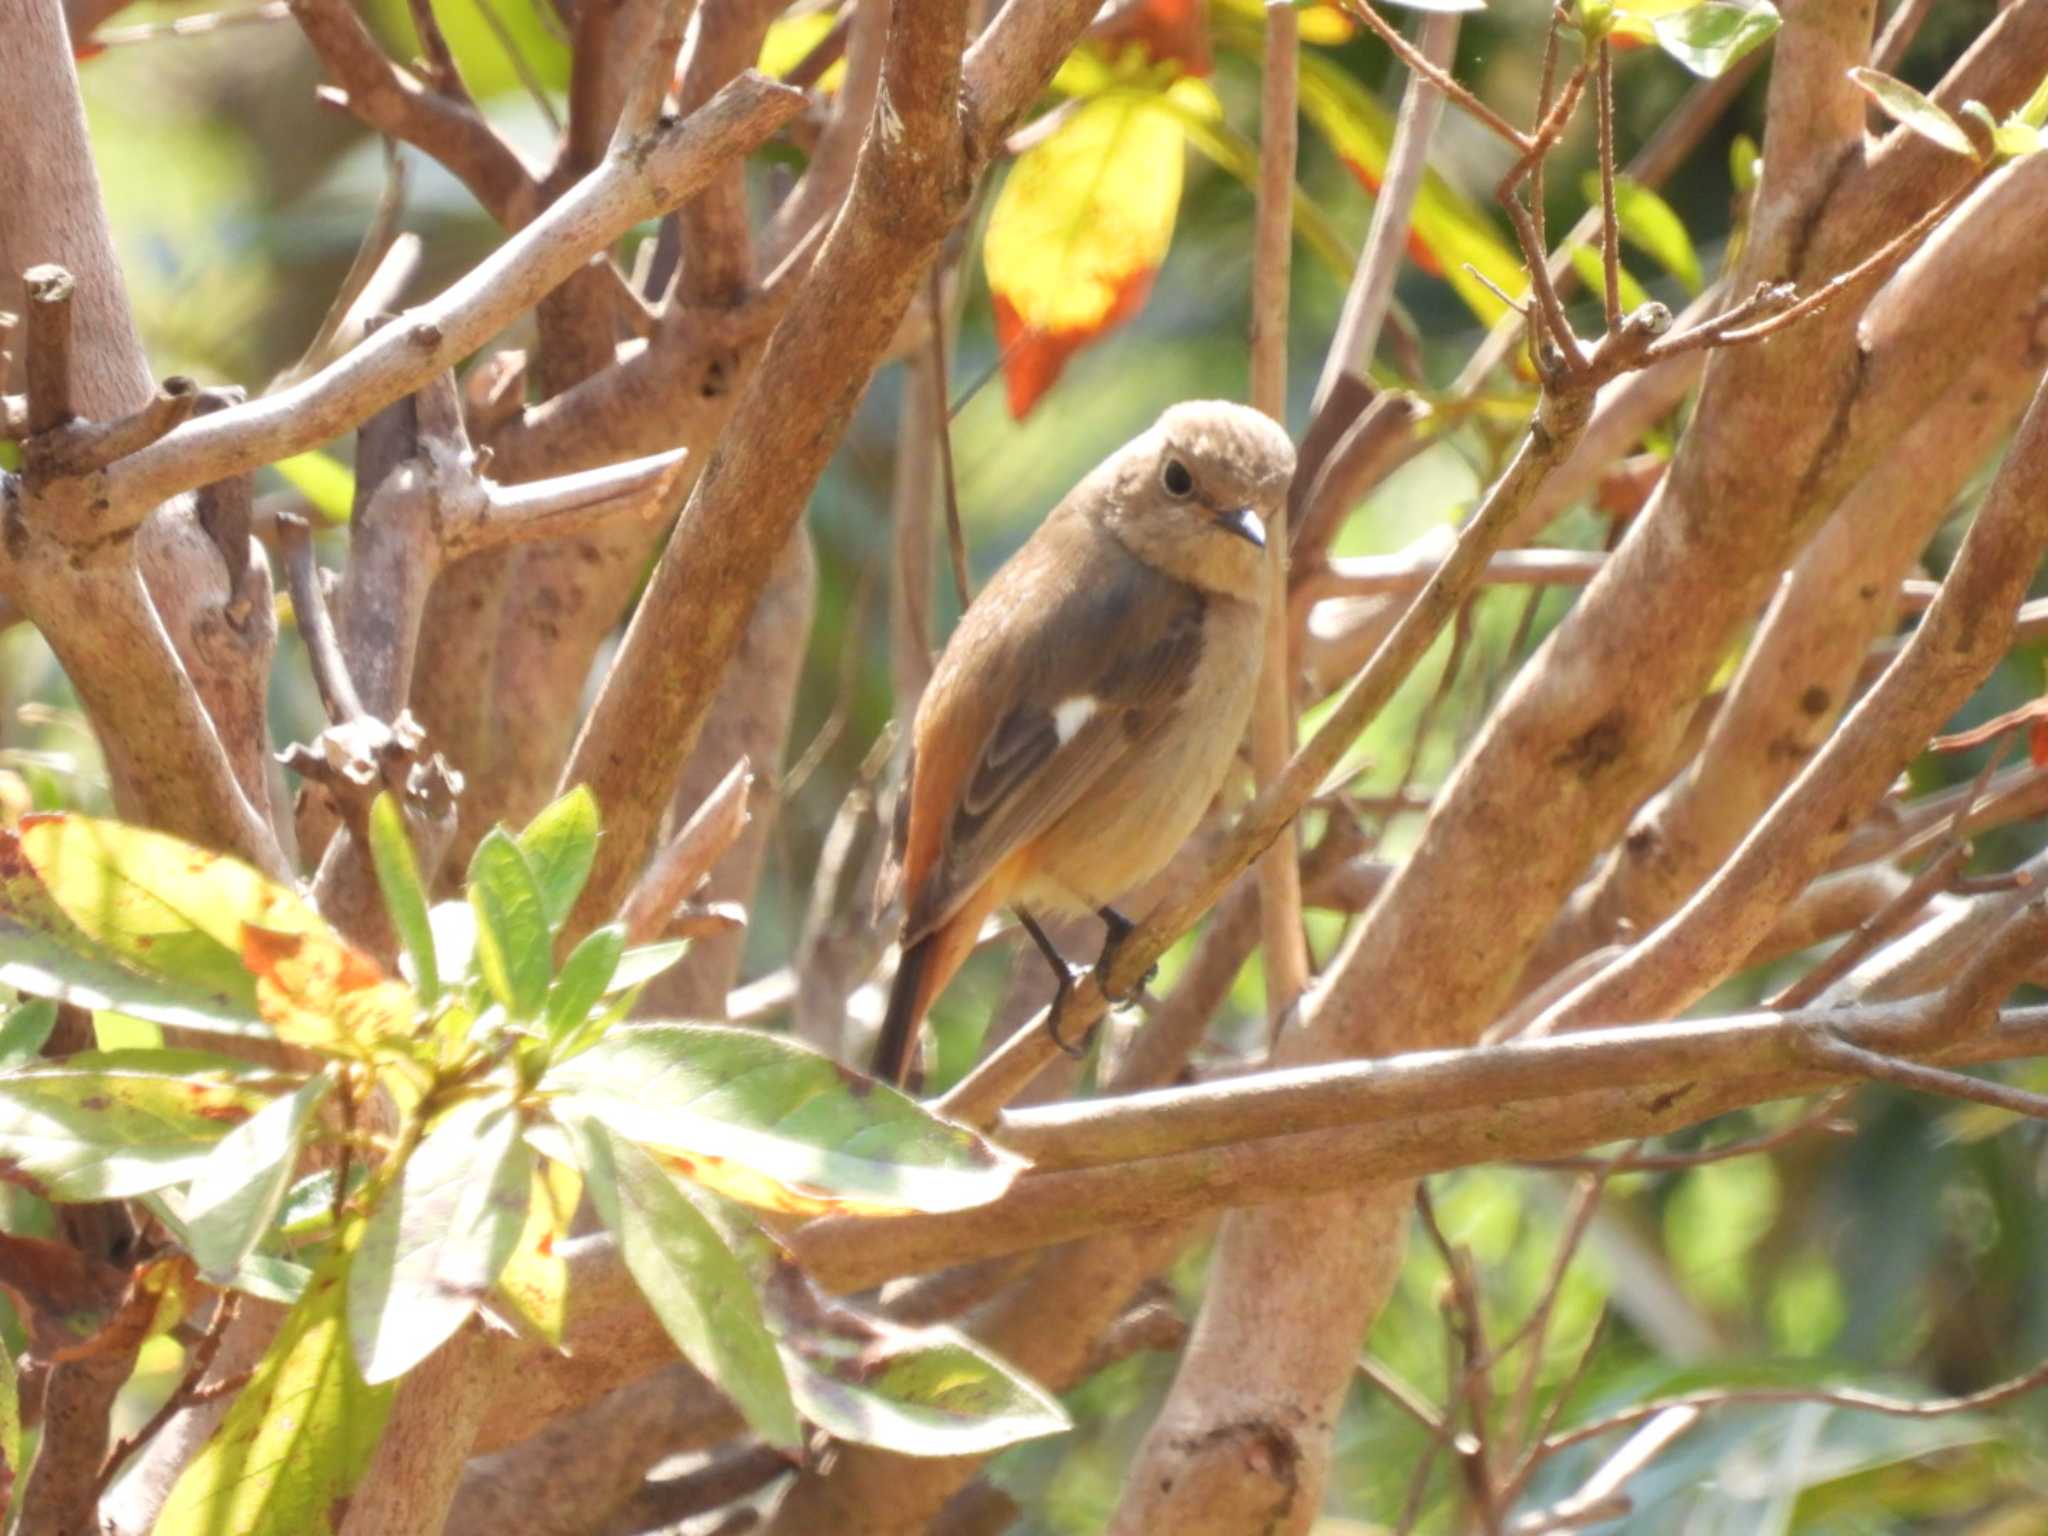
column 111, row 1133
column 239, row 1189
column 1908, row 108
column 586, row 978
column 690, row 1278
column 438, row 1237
column 561, row 844
column 643, row 962
column 512, row 929
column 24, row 1031
column 919, row 1392
column 297, row 1438
column 1649, row 224
column 1586, row 262
column 1708, row 38
column 775, row 1123
column 1440, row 5
column 405, row 897
column 60, row 964
column 326, row 482
column 1446, row 233
column 1745, row 162
column 262, row 1275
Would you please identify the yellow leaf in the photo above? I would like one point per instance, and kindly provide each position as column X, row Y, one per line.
column 532, row 1292
column 789, row 40
column 316, row 991
column 1081, row 226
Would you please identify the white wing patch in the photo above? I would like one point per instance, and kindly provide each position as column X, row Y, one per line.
column 1069, row 715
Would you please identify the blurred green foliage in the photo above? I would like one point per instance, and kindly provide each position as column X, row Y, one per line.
column 1901, row 1257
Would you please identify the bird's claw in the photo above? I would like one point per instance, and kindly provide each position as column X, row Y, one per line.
column 1120, row 928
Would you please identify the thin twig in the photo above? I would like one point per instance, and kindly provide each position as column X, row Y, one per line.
column 1880, row 927
column 956, row 538
column 1840, row 1397
column 687, row 858
column 184, row 1395
column 1819, row 1118
column 1610, row 221
column 1439, row 77
column 1372, row 281
column 521, row 66
column 1272, row 724
column 441, row 72
column 315, row 624
column 49, row 290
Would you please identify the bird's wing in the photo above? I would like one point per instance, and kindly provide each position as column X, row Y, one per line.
column 1084, row 683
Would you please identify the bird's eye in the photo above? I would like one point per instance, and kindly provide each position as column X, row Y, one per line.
column 1174, row 476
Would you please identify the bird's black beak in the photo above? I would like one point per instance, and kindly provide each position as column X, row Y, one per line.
column 1245, row 523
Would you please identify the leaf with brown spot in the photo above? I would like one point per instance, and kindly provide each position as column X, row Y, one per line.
column 316, row 991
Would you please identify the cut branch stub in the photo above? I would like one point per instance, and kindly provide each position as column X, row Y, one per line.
column 49, row 290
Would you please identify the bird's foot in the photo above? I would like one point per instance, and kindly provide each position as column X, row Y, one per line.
column 1120, row 928
column 1064, row 977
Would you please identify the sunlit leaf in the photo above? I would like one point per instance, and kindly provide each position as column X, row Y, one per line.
column 560, row 845
column 1907, row 107
column 316, row 991
column 92, row 1132
column 24, row 1031
column 1586, row 262
column 438, row 1237
column 454, row 926
column 513, row 934
column 296, row 1439
column 919, row 1392
column 1172, row 32
column 59, row 963
column 1077, row 233
column 154, row 903
column 240, row 1188
column 771, row 1121
column 325, row 482
column 690, row 1278
column 10, row 1422
column 1439, row 5
column 2034, row 112
column 1708, row 38
column 643, row 962
column 791, row 39
column 533, row 1288
column 405, row 894
column 1446, row 233
column 1650, row 224
column 585, row 979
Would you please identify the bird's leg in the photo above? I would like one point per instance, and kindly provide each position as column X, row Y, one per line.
column 1064, row 984
column 1120, row 928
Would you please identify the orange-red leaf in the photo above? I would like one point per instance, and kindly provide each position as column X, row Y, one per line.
column 1078, row 233
column 1169, row 31
column 315, row 991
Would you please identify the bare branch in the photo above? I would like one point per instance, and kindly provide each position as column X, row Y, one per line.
column 683, row 863
column 394, row 102
column 1386, row 242
column 660, row 172
column 1962, row 637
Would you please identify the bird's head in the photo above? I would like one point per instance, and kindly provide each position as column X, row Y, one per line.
column 1194, row 495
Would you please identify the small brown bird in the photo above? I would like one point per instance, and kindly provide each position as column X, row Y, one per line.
column 1091, row 700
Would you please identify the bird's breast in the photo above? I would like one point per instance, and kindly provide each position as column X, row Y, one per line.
column 1123, row 831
